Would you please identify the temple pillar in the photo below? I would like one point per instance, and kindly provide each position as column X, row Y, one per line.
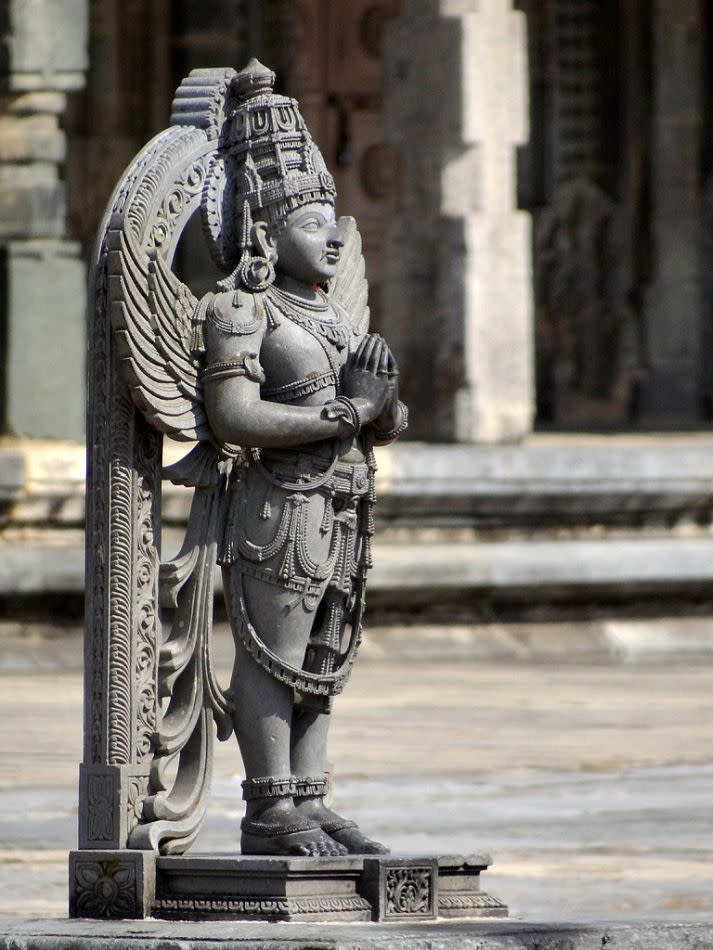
column 458, row 286
column 672, row 302
column 42, row 280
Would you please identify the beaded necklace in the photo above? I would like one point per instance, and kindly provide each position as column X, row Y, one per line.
column 317, row 317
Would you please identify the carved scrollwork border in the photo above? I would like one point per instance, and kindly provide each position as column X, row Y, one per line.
column 156, row 198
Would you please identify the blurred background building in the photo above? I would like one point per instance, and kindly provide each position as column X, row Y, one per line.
column 534, row 186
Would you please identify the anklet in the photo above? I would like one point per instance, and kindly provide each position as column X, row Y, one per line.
column 310, row 786
column 268, row 787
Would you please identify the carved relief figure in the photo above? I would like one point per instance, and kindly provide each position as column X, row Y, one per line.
column 277, row 378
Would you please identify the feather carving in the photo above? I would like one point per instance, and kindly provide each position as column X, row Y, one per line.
column 151, row 314
column 349, row 288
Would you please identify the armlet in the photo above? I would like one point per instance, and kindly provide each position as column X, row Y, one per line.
column 244, row 364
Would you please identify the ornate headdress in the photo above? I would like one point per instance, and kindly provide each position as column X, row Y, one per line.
column 266, row 165
column 279, row 167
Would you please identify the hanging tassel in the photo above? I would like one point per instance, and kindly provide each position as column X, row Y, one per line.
column 288, row 563
column 326, row 520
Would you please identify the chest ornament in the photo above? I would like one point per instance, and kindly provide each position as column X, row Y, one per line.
column 318, row 317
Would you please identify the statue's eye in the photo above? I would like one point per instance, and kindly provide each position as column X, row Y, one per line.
column 312, row 224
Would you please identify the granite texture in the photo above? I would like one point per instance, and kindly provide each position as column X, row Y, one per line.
column 162, row 935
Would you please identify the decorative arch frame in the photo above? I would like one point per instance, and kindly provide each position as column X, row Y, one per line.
column 129, row 731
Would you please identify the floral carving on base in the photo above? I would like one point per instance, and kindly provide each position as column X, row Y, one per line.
column 409, row 892
column 105, row 889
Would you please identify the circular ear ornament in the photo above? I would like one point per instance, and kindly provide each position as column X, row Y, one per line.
column 256, row 273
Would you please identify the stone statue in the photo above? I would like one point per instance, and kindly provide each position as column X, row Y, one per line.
column 278, row 380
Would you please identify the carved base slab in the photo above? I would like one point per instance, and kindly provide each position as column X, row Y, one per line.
column 383, row 887
column 389, row 887
column 201, row 887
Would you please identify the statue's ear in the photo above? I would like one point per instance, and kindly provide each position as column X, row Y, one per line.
column 262, row 240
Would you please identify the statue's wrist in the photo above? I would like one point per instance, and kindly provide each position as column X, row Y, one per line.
column 347, row 412
column 365, row 409
column 390, row 425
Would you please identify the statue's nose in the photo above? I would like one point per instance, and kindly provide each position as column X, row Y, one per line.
column 335, row 238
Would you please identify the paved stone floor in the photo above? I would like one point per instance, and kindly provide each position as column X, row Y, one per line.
column 590, row 782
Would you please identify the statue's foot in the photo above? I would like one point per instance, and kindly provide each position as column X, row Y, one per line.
column 301, row 838
column 340, row 829
column 347, row 833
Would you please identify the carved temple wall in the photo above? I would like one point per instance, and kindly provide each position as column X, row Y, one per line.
column 532, row 180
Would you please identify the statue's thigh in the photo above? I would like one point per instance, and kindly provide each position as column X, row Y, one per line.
column 279, row 616
column 282, row 618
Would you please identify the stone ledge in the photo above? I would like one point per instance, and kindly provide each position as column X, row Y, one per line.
column 497, row 570
column 620, row 479
column 481, row 935
column 545, row 479
column 551, row 569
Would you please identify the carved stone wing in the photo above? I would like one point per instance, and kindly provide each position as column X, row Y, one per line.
column 153, row 315
column 349, row 288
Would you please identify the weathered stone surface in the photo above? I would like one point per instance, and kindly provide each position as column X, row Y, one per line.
column 501, row 571
column 32, row 201
column 44, row 44
column 106, row 884
column 34, row 138
column 672, row 299
column 43, row 55
column 13, row 474
column 625, row 481
column 463, row 274
column 45, row 289
column 602, row 783
column 548, row 480
column 157, row 935
column 383, row 887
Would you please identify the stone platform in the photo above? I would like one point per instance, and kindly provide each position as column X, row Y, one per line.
column 392, row 887
column 441, row 935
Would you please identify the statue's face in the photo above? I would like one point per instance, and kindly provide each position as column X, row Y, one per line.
column 308, row 245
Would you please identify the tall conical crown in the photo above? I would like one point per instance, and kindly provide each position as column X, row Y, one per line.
column 277, row 165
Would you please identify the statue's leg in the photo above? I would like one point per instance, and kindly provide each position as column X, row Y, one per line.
column 309, row 742
column 263, row 711
column 310, row 727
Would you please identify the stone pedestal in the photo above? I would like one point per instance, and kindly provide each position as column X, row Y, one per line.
column 458, row 257
column 406, row 889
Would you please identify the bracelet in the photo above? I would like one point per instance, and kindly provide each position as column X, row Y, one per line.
column 343, row 408
column 397, row 430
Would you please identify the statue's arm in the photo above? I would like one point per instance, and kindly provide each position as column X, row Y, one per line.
column 238, row 415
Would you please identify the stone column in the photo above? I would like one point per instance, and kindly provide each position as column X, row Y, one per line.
column 458, row 294
column 42, row 281
column 672, row 301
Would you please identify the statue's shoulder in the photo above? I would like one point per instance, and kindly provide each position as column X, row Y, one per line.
column 237, row 312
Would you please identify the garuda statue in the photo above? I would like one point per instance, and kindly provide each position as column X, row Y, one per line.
column 276, row 378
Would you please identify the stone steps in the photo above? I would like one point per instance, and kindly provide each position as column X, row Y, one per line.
column 554, row 518
column 665, row 566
